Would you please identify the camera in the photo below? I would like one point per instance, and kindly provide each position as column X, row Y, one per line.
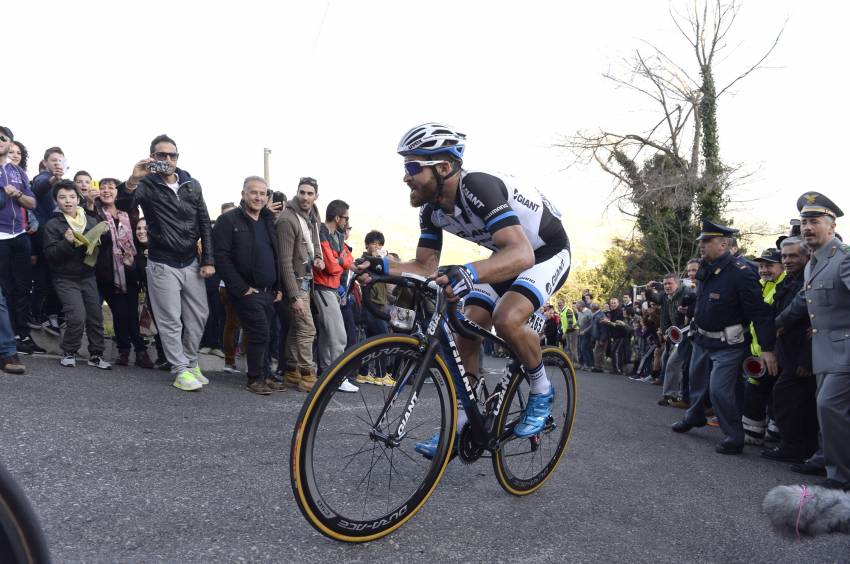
column 158, row 167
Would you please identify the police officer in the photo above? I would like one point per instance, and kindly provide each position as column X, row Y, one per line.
column 826, row 301
column 728, row 298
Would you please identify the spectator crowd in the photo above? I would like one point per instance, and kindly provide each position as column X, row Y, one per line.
column 758, row 348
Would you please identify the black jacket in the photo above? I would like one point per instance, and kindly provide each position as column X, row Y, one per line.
column 175, row 221
column 65, row 259
column 233, row 238
column 794, row 347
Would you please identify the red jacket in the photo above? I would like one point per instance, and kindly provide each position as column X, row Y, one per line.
column 337, row 260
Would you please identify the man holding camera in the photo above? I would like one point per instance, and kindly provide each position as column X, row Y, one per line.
column 728, row 297
column 177, row 218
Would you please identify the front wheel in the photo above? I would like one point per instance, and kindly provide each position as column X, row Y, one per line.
column 523, row 465
column 350, row 483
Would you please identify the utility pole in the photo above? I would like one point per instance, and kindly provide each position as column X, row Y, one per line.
column 266, row 153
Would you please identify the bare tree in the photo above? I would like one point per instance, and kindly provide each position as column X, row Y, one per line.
column 671, row 174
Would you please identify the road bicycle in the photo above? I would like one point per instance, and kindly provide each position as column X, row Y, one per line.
column 354, row 471
column 21, row 539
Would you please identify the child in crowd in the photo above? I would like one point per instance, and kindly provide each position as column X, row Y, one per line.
column 70, row 245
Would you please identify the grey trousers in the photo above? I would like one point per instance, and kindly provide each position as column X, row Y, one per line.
column 179, row 301
column 330, row 326
column 81, row 305
column 834, row 418
column 673, row 374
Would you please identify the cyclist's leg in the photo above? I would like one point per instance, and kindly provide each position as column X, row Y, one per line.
column 529, row 291
column 478, row 307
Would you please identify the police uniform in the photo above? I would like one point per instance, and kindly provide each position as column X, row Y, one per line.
column 728, row 298
column 826, row 301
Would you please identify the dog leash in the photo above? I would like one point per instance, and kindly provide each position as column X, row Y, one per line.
column 805, row 495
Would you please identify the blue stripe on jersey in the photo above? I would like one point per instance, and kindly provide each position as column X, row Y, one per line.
column 428, row 236
column 531, row 287
column 482, row 296
column 500, row 217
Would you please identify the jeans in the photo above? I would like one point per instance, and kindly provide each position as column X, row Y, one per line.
column 717, row 374
column 231, row 325
column 16, row 280
column 256, row 314
column 7, row 335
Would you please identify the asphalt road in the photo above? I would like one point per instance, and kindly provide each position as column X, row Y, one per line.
column 121, row 467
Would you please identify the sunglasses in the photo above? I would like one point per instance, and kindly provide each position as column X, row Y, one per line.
column 3, row 139
column 162, row 155
column 415, row 167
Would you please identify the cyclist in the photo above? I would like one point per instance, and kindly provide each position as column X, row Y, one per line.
column 531, row 257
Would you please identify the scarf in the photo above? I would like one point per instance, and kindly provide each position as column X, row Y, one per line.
column 78, row 224
column 122, row 246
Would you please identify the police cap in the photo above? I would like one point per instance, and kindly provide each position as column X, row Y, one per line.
column 815, row 204
column 711, row 230
column 769, row 255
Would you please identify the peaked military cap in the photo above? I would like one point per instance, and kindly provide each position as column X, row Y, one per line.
column 711, row 229
column 769, row 255
column 815, row 204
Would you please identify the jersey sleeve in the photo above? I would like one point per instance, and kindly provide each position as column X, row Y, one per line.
column 487, row 196
column 430, row 235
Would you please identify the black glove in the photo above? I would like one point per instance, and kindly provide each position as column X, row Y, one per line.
column 377, row 265
column 461, row 278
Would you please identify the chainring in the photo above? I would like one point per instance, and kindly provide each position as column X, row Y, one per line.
column 467, row 450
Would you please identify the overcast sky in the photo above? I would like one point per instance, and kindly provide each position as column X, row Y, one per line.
column 331, row 86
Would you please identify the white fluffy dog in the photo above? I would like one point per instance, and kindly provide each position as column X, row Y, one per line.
column 808, row 510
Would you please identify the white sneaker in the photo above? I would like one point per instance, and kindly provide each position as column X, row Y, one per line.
column 231, row 369
column 196, row 372
column 68, row 360
column 98, row 362
column 348, row 387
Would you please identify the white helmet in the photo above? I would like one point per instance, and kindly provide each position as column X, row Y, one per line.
column 432, row 139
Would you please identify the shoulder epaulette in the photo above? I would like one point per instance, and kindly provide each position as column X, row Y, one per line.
column 845, row 248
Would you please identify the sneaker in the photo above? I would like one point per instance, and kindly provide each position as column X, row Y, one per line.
column 51, row 326
column 12, row 364
column 186, row 381
column 196, row 372
column 348, row 387
column 387, row 380
column 365, row 379
column 69, row 360
column 429, row 448
column 217, row 352
column 259, row 387
column 231, row 369
column 713, row 422
column 28, row 346
column 536, row 413
column 204, row 350
column 98, row 362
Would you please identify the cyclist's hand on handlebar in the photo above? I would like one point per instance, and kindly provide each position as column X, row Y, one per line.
column 457, row 281
column 376, row 265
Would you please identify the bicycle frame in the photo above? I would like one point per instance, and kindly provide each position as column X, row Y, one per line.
column 439, row 336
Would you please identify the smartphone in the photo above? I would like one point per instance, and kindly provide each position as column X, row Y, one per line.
column 278, row 197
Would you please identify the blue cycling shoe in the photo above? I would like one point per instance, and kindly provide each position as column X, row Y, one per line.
column 536, row 412
column 429, row 448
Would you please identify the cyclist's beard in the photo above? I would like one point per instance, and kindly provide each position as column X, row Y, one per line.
column 419, row 195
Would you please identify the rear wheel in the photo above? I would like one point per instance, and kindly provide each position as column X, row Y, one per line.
column 350, row 484
column 522, row 465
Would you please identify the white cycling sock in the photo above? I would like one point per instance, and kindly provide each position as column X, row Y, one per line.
column 539, row 381
column 461, row 418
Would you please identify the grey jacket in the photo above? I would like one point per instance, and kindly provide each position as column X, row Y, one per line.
column 825, row 299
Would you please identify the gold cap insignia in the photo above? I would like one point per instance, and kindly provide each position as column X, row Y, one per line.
column 810, row 198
